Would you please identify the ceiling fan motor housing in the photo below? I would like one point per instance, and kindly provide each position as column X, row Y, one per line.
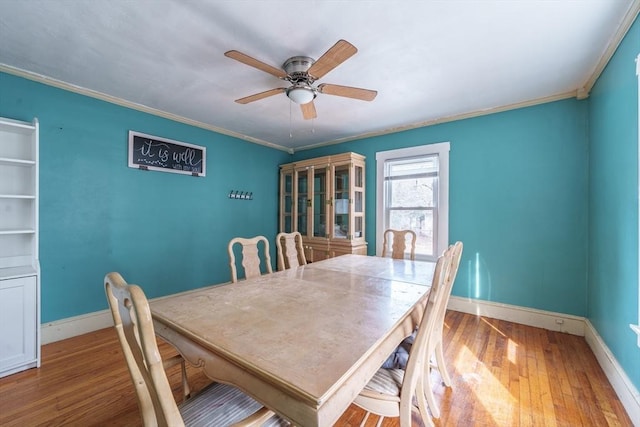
column 296, row 68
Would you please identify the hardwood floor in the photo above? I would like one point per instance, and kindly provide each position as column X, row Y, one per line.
column 504, row 374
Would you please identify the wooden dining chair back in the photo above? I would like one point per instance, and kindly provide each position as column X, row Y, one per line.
column 217, row 404
column 289, row 250
column 392, row 392
column 251, row 259
column 395, row 243
column 436, row 347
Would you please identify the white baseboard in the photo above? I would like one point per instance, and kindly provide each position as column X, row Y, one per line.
column 626, row 391
column 526, row 316
column 73, row 326
column 83, row 324
column 575, row 325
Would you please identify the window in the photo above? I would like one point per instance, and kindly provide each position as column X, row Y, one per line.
column 413, row 193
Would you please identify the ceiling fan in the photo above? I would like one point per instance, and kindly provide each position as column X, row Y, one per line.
column 302, row 72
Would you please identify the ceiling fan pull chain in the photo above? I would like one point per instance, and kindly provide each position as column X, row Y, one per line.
column 290, row 124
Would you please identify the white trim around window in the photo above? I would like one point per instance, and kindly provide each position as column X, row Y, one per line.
column 442, row 150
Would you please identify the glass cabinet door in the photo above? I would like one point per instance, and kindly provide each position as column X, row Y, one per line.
column 358, row 205
column 303, row 201
column 320, row 198
column 341, row 202
column 286, row 208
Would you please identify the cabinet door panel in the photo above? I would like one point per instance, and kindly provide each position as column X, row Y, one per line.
column 17, row 322
column 320, row 202
column 303, row 201
column 286, row 201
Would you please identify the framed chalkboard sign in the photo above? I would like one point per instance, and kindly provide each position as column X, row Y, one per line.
column 150, row 152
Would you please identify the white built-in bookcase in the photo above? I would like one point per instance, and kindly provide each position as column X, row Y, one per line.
column 19, row 266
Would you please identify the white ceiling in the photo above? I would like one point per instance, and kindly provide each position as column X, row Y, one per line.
column 428, row 60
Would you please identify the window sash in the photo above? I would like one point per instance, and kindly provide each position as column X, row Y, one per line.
column 437, row 154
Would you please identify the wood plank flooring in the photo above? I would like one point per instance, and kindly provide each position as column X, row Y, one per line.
column 504, row 374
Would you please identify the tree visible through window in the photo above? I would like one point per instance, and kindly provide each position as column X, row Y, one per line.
column 413, row 195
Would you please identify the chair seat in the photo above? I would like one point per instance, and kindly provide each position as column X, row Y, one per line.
column 387, row 382
column 217, row 405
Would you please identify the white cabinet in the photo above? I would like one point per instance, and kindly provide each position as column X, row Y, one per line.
column 19, row 266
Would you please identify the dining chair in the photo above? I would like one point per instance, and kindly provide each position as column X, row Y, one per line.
column 250, row 256
column 290, row 250
column 435, row 347
column 395, row 243
column 455, row 252
column 391, row 392
column 216, row 405
column 117, row 280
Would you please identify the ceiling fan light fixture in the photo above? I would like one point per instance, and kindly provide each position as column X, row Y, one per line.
column 301, row 94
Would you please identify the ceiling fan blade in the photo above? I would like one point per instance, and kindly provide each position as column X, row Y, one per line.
column 308, row 110
column 336, row 55
column 261, row 95
column 252, row 62
column 348, row 92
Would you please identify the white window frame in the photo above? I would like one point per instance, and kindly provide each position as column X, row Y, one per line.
column 440, row 149
column 636, row 328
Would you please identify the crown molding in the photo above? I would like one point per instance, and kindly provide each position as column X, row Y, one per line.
column 134, row 106
column 623, row 28
column 469, row 115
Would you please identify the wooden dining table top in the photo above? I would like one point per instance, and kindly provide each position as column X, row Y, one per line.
column 303, row 338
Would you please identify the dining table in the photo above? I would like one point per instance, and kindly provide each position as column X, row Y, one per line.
column 305, row 341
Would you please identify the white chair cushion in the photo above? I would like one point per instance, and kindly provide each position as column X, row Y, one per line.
column 219, row 405
column 386, row 381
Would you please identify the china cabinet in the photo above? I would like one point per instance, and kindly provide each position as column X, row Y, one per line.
column 19, row 266
column 323, row 199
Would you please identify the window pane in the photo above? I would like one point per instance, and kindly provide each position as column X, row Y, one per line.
column 341, row 185
column 302, row 223
column 413, row 166
column 320, row 202
column 359, row 205
column 418, row 220
column 288, row 183
column 357, row 232
column 302, row 203
column 412, row 192
column 288, row 203
column 358, row 176
column 341, row 226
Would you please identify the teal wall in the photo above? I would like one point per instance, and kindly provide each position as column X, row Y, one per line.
column 613, row 205
column 518, row 201
column 166, row 232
